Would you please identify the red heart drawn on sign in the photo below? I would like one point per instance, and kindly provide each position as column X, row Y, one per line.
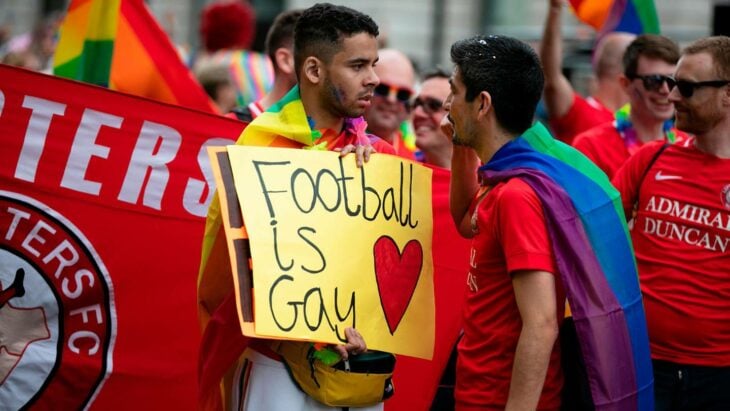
column 397, row 275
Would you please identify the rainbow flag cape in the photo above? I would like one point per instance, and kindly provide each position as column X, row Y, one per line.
column 593, row 252
column 251, row 72
column 631, row 16
column 119, row 45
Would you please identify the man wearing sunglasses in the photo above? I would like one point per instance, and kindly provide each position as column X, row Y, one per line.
column 681, row 235
column 649, row 63
column 430, row 384
column 389, row 108
column 426, row 112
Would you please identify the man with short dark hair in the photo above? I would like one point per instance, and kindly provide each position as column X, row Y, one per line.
column 335, row 50
column 280, row 49
column 542, row 226
column 649, row 63
column 681, row 235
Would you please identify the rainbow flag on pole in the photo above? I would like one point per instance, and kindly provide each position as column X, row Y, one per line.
column 631, row 16
column 593, row 252
column 118, row 44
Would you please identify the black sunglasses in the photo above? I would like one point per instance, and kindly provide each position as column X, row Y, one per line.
column 403, row 95
column 430, row 105
column 653, row 82
column 687, row 88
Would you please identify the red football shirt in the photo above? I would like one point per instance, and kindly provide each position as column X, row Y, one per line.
column 604, row 145
column 583, row 115
column 511, row 235
column 681, row 237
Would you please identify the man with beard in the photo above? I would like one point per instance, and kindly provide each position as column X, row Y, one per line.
column 543, row 227
column 649, row 62
column 681, row 235
column 335, row 51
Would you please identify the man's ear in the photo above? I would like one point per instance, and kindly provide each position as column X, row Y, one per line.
column 284, row 60
column 313, row 69
column 625, row 82
column 485, row 104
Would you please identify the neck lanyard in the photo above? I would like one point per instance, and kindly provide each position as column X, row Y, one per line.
column 628, row 133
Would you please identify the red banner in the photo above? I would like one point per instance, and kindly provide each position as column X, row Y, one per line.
column 102, row 204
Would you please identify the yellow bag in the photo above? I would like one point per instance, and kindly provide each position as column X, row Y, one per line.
column 363, row 380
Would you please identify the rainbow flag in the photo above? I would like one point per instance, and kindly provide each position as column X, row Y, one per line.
column 119, row 45
column 595, row 258
column 630, row 16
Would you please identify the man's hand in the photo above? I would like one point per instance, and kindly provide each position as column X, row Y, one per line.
column 362, row 152
column 355, row 344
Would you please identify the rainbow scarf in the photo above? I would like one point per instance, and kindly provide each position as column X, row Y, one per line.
column 593, row 252
column 287, row 123
column 118, row 44
column 628, row 133
column 631, row 16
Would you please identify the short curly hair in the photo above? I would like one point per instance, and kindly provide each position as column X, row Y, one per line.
column 227, row 25
column 320, row 29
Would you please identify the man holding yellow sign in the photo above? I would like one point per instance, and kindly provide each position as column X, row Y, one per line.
column 335, row 51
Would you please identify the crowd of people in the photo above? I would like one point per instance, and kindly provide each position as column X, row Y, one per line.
column 657, row 126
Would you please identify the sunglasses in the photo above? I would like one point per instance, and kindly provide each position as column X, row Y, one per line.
column 687, row 88
column 654, row 82
column 430, row 105
column 403, row 95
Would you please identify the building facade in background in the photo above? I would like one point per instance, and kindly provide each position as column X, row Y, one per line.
column 424, row 29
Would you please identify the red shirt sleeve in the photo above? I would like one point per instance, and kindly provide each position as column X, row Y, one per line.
column 522, row 229
column 580, row 117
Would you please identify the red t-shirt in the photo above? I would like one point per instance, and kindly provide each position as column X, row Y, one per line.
column 681, row 237
column 582, row 115
column 511, row 235
column 604, row 145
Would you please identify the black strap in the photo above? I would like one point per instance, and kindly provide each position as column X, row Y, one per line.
column 243, row 114
column 652, row 161
column 643, row 176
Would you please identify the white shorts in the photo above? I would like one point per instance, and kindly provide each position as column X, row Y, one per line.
column 263, row 384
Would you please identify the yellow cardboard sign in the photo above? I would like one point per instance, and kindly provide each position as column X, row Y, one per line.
column 336, row 246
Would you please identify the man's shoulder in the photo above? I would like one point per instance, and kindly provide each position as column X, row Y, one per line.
column 514, row 190
column 596, row 134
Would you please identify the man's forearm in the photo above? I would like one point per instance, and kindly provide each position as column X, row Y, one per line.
column 464, row 184
column 532, row 358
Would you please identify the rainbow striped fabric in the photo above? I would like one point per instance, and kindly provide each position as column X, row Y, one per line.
column 595, row 258
column 631, row 16
column 118, row 44
column 252, row 73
